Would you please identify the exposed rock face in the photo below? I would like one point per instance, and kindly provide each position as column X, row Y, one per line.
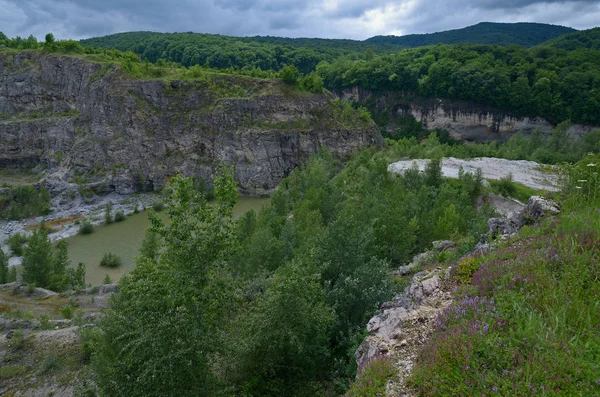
column 525, row 172
column 463, row 120
column 537, row 207
column 78, row 118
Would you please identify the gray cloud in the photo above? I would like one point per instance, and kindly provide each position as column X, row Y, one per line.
column 356, row 19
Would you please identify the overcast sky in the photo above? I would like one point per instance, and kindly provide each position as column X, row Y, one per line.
column 356, row 19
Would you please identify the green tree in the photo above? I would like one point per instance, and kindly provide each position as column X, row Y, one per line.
column 166, row 346
column 38, row 261
column 49, row 38
column 3, row 267
column 289, row 74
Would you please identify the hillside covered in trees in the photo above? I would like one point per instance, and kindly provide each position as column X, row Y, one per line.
column 525, row 34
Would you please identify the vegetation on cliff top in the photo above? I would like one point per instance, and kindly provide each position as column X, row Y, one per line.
column 527, row 319
column 545, row 80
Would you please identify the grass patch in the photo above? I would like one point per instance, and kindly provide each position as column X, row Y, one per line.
column 372, row 378
column 8, row 371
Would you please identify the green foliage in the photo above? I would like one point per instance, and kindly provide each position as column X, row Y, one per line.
column 43, row 267
column 86, row 227
column 67, row 311
column 49, row 39
column 505, row 186
column 312, row 83
column 16, row 242
column 158, row 206
column 523, row 33
column 372, row 378
column 526, row 324
column 23, row 202
column 119, row 216
column 581, row 182
column 3, row 267
column 167, row 346
column 108, row 217
column 37, row 259
column 107, row 280
column 289, row 74
column 555, row 84
column 111, row 259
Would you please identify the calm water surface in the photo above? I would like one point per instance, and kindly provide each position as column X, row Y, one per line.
column 125, row 239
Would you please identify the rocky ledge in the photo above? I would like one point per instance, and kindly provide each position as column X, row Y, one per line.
column 404, row 324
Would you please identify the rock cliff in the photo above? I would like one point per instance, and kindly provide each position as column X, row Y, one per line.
column 88, row 123
column 463, row 120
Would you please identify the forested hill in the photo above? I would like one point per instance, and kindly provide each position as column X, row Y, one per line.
column 266, row 53
column 525, row 34
column 271, row 53
column 584, row 39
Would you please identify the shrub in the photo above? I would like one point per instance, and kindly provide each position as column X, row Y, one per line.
column 505, row 186
column 465, row 269
column 312, row 83
column 16, row 242
column 119, row 216
column 111, row 260
column 67, row 311
column 158, row 206
column 289, row 74
column 3, row 267
column 24, row 202
column 51, row 363
column 372, row 378
column 108, row 219
column 86, row 227
column 107, row 280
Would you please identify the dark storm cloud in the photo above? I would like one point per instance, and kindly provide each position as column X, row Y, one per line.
column 297, row 18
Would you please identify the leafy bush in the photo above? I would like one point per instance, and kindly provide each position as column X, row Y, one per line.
column 158, row 206
column 107, row 280
column 108, row 218
column 67, row 311
column 372, row 378
column 505, row 186
column 51, row 363
column 111, row 260
column 4, row 275
column 24, row 202
column 16, row 242
column 312, row 83
column 119, row 216
column 86, row 227
column 289, row 74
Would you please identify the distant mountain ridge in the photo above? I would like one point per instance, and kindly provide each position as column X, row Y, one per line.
column 589, row 39
column 526, row 34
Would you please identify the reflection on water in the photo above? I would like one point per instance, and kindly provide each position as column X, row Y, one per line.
column 125, row 239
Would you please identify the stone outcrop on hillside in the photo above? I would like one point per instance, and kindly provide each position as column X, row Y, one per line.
column 89, row 124
column 462, row 119
column 404, row 324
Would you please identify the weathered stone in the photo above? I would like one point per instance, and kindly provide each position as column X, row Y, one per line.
column 124, row 135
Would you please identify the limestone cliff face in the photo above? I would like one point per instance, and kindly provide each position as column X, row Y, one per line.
column 89, row 122
column 463, row 120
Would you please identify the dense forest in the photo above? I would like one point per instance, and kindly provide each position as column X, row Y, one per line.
column 547, row 80
column 541, row 81
column 572, row 41
column 266, row 53
column 525, row 34
column 275, row 303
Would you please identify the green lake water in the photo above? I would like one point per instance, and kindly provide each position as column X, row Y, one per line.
column 125, row 239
